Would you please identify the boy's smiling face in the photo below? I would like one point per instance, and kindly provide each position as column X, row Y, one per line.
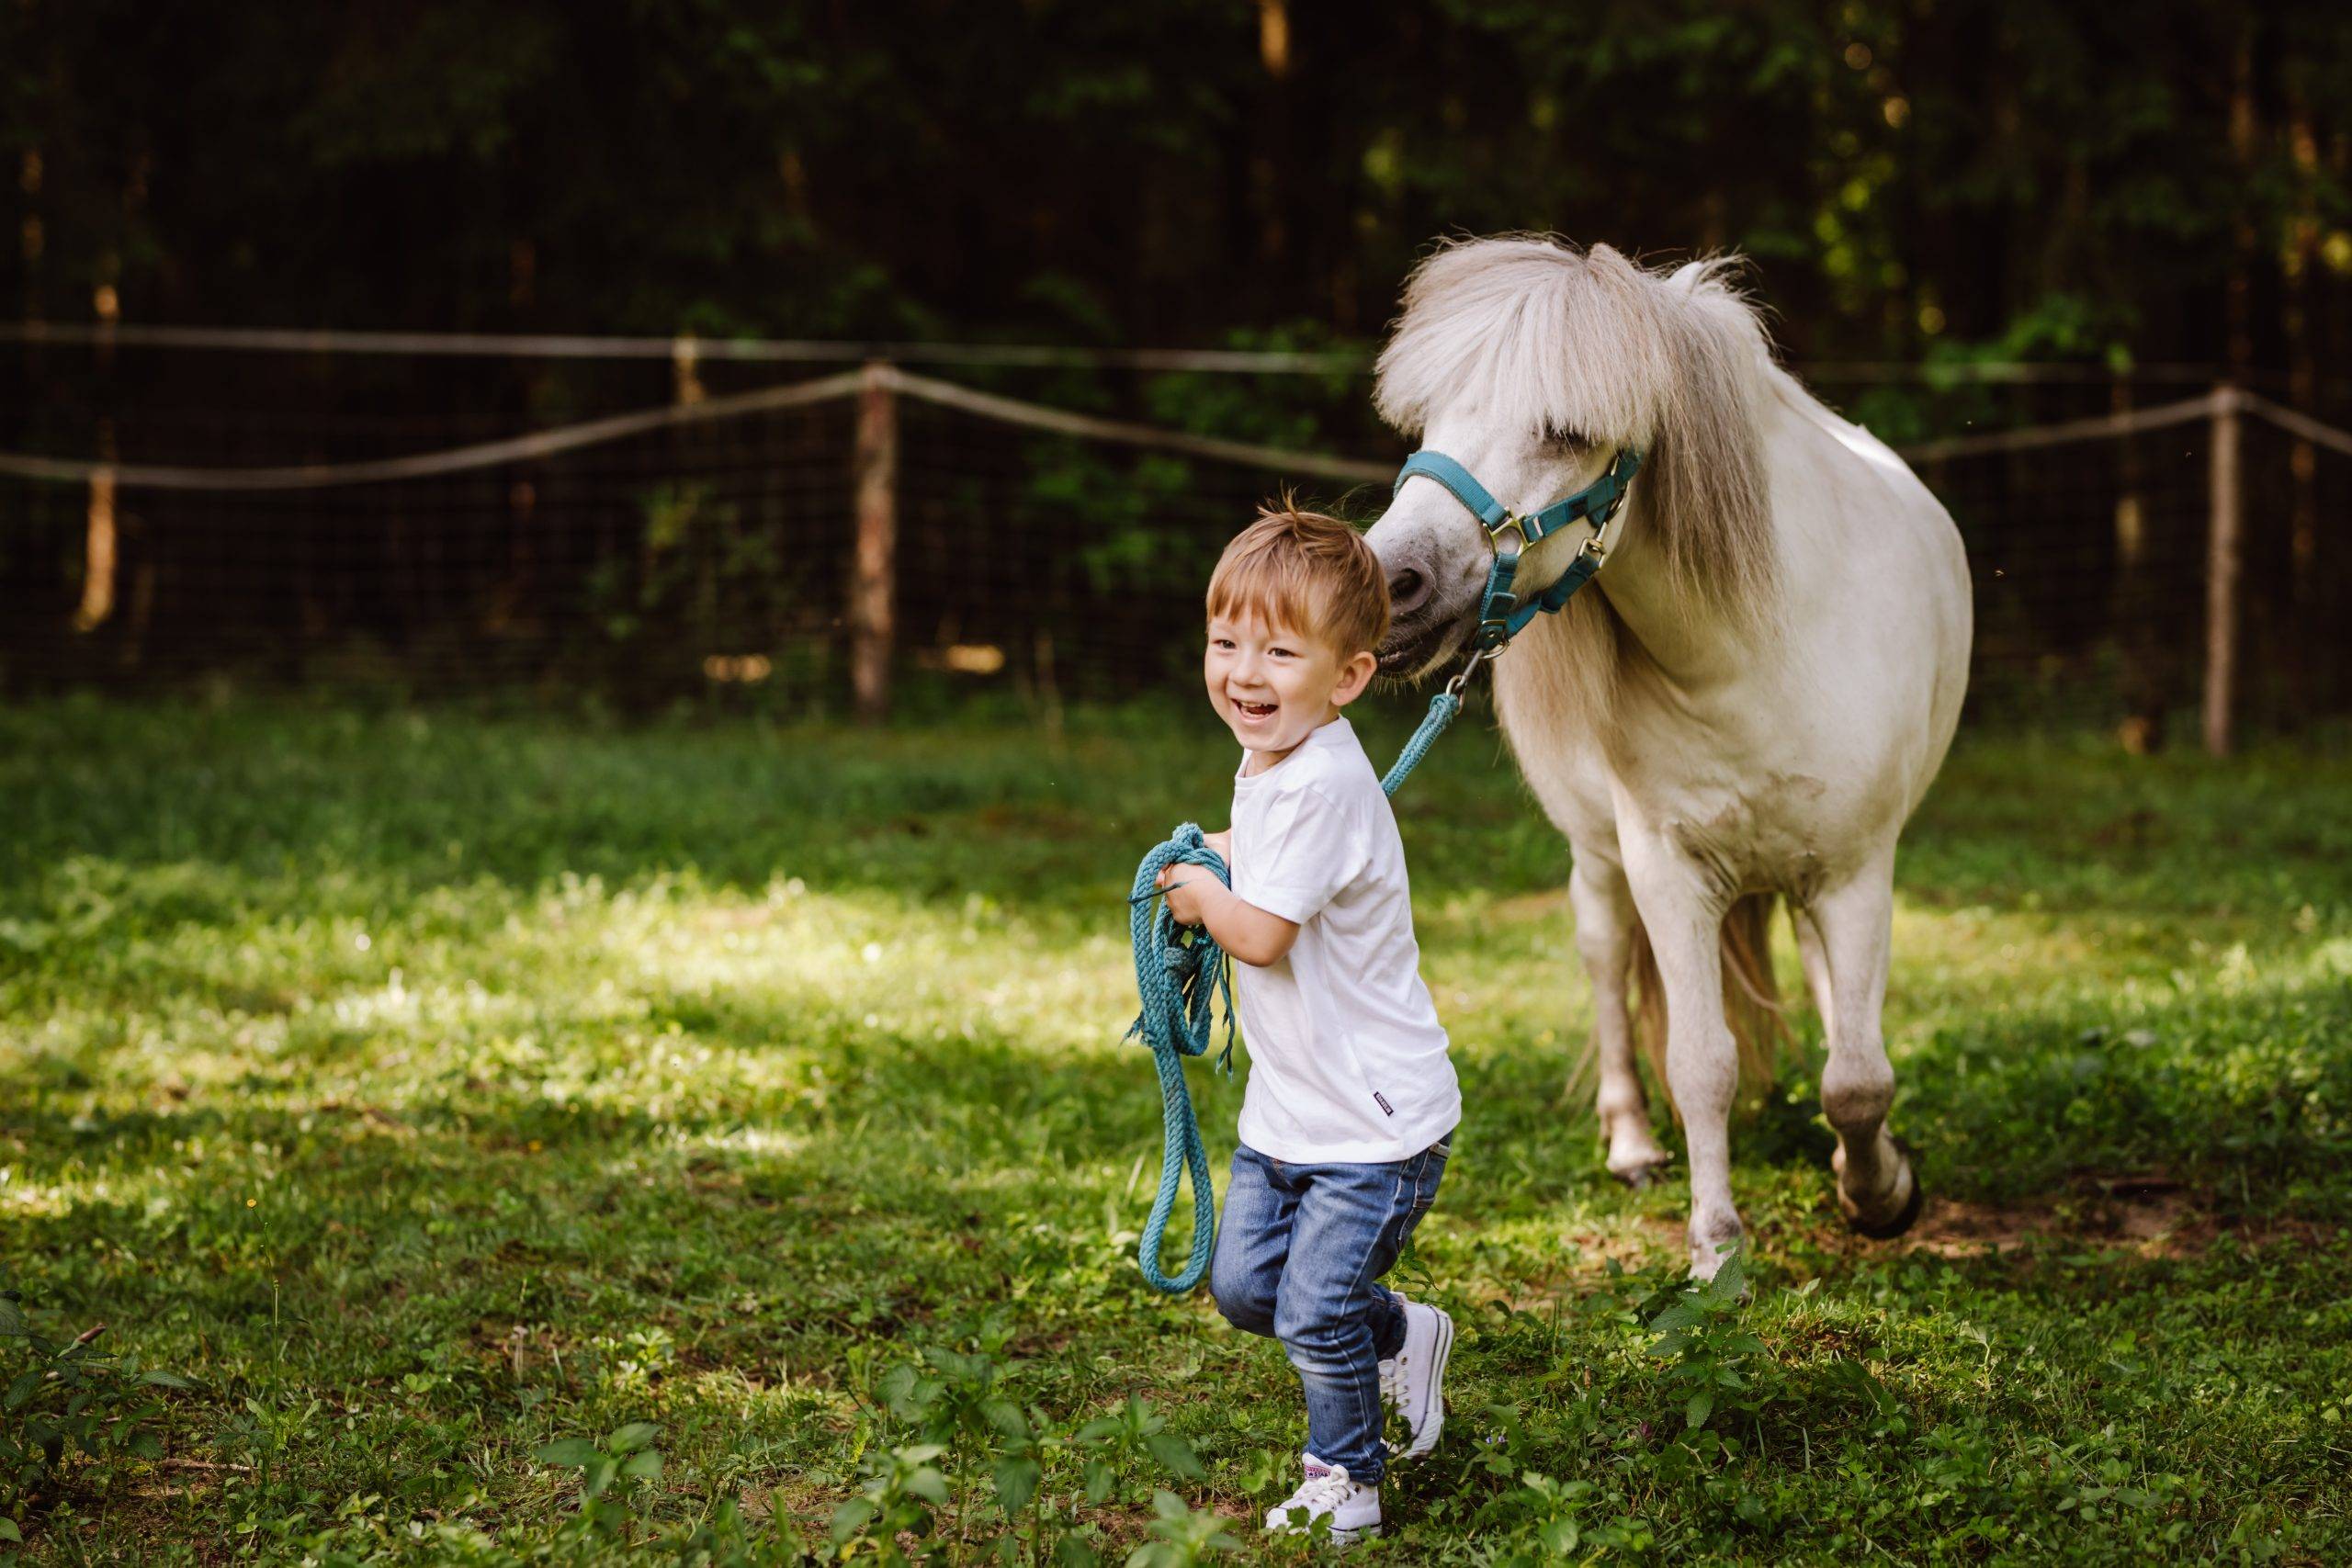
column 1274, row 686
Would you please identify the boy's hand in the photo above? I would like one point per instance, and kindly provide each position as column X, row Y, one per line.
column 1181, row 884
column 1249, row 934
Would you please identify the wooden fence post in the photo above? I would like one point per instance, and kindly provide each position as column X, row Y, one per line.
column 100, row 553
column 2142, row 639
column 685, row 369
column 874, row 576
column 2224, row 528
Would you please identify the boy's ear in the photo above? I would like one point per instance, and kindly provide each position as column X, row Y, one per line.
column 1355, row 676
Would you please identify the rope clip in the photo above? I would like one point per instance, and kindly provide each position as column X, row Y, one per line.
column 1462, row 677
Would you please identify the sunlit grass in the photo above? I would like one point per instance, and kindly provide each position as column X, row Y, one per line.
column 491, row 1081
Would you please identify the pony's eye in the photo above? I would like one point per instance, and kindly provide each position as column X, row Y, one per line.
column 1564, row 436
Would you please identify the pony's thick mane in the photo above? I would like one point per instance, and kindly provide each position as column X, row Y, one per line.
column 1532, row 331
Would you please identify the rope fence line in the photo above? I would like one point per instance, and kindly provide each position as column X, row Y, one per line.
column 1033, row 416
column 691, row 348
column 746, row 560
column 2188, row 410
column 2301, row 426
column 432, row 465
column 620, row 427
column 687, row 348
column 1037, row 416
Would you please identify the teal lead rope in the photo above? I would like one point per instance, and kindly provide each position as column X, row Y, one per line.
column 1180, row 970
column 1443, row 707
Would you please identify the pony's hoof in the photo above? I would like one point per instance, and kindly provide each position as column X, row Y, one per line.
column 1641, row 1178
column 1904, row 1218
column 1707, row 1259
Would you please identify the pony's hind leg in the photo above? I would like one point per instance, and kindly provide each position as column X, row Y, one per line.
column 1877, row 1190
column 1605, row 936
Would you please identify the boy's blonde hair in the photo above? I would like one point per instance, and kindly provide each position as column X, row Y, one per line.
column 1308, row 572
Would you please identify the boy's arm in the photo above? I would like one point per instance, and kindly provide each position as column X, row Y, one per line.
column 1243, row 930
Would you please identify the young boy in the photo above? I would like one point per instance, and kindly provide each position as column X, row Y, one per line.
column 1352, row 1099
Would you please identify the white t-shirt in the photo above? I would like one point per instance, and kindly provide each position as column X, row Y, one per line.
column 1347, row 1058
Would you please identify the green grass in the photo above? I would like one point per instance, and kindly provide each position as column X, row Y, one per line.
column 434, row 1088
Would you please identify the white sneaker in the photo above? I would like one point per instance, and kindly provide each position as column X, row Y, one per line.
column 1354, row 1509
column 1413, row 1380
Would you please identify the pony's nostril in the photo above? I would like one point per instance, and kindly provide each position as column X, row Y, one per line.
column 1407, row 590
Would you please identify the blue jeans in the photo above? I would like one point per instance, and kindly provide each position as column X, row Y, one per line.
column 1299, row 1256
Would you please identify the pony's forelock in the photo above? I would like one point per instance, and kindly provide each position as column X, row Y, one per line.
column 1539, row 336
column 1533, row 333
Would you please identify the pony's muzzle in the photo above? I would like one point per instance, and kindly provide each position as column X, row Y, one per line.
column 1435, row 562
column 1409, row 589
column 1428, row 619
column 1414, row 648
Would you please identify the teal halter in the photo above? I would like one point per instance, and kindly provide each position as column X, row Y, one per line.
column 1502, row 613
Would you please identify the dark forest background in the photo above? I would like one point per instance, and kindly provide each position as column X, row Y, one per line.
column 2162, row 181
column 2131, row 201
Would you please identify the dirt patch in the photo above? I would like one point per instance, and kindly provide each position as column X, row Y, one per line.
column 1652, row 1237
column 1952, row 1228
column 2147, row 1214
column 154, row 1510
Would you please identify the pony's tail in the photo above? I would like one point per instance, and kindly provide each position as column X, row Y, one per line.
column 1751, row 1000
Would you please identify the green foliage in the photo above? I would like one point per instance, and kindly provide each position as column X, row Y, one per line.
column 1182, row 1535
column 614, row 1474
column 705, row 582
column 1700, row 1335
column 1943, row 185
column 1134, row 1440
column 953, row 1399
column 901, row 1488
column 1155, row 175
column 1549, row 1522
column 68, row 1405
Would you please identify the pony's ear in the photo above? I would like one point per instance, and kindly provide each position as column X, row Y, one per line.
column 1691, row 273
column 1709, row 499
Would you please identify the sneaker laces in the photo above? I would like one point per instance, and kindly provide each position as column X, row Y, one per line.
column 1323, row 1494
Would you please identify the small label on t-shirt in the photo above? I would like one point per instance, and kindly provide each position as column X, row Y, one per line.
column 1386, row 1108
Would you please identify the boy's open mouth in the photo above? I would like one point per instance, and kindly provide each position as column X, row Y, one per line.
column 1254, row 710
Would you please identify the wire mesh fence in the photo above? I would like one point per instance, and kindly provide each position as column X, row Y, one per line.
column 721, row 558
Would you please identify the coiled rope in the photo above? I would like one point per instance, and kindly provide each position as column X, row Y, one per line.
column 1180, row 972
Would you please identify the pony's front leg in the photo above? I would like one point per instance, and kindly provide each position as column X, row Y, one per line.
column 1605, row 924
column 1815, row 959
column 1684, row 916
column 1877, row 1190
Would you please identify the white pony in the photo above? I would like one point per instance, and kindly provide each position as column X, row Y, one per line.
column 1746, row 702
